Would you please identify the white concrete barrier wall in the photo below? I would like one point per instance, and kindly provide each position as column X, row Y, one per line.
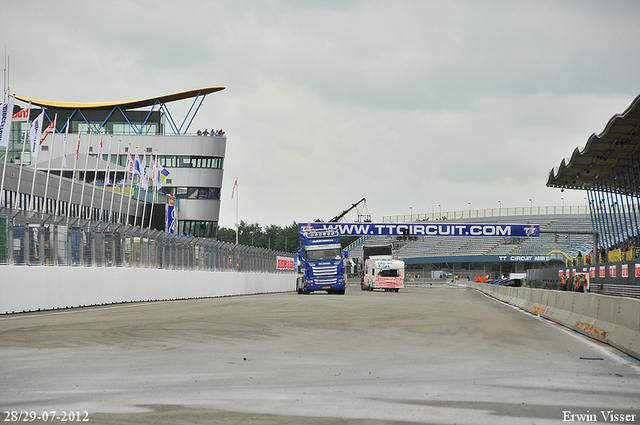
column 614, row 320
column 25, row 288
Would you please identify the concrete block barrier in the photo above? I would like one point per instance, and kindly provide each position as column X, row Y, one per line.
column 614, row 320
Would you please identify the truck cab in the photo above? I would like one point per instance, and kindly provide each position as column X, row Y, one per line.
column 320, row 262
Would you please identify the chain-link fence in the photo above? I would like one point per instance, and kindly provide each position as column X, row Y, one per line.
column 37, row 239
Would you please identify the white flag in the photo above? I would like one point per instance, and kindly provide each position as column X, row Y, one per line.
column 21, row 115
column 36, row 130
column 152, row 171
column 64, row 146
column 106, row 177
column 50, row 129
column 77, row 156
column 233, row 192
column 5, row 122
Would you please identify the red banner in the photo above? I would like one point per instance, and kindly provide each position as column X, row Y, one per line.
column 285, row 263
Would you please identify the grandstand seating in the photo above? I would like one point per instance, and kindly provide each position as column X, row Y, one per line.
column 442, row 246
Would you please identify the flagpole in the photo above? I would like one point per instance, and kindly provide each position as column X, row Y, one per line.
column 237, row 222
column 132, row 177
column 53, row 138
column 95, row 178
column 126, row 171
column 105, row 181
column 115, row 174
column 140, row 184
column 9, row 107
column 84, row 177
column 35, row 146
column 146, row 190
column 73, row 175
column 62, row 165
column 24, row 142
column 154, row 186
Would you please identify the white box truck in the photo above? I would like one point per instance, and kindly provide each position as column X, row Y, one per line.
column 383, row 272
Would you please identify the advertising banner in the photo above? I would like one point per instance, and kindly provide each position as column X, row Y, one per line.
column 427, row 229
column 285, row 263
column 172, row 222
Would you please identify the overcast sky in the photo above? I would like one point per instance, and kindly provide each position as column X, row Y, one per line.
column 409, row 104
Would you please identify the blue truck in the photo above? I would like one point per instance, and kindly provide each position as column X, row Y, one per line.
column 320, row 262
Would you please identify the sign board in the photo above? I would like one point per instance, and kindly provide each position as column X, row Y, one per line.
column 172, row 222
column 427, row 229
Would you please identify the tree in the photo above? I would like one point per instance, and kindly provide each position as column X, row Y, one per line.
column 271, row 237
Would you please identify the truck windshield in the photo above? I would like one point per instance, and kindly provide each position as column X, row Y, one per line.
column 323, row 254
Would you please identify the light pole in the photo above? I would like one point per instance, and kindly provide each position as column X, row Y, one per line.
column 410, row 213
column 530, row 207
column 469, row 209
column 562, row 205
column 440, row 216
column 499, row 208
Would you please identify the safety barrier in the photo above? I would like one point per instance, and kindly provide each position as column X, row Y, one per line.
column 51, row 262
column 24, row 289
column 613, row 320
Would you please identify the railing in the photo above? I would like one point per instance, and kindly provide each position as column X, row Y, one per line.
column 487, row 212
column 35, row 239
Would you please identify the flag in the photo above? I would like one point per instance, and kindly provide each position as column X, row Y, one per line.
column 130, row 163
column 100, row 158
column 6, row 112
column 64, row 146
column 163, row 173
column 21, row 115
column 36, row 130
column 50, row 129
column 152, row 171
column 106, row 177
column 235, row 185
column 78, row 146
column 143, row 173
column 136, row 166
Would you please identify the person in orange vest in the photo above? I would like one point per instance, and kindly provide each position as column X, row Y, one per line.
column 563, row 284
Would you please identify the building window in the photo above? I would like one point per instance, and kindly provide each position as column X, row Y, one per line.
column 183, row 192
column 183, row 161
column 200, row 229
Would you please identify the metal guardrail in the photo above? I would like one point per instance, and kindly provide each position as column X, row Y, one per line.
column 38, row 239
column 487, row 212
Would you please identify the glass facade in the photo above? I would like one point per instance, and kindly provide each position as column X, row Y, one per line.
column 201, row 229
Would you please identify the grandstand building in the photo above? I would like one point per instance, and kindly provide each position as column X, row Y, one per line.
column 141, row 127
column 493, row 255
column 608, row 169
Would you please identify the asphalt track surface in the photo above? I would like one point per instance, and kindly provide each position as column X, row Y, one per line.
column 430, row 355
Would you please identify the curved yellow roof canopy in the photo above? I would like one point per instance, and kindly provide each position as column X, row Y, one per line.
column 130, row 104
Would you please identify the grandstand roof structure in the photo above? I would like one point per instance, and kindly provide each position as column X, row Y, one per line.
column 127, row 104
column 609, row 162
column 98, row 114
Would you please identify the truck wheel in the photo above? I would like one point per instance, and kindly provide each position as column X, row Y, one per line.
column 371, row 288
column 397, row 289
column 340, row 292
column 362, row 287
